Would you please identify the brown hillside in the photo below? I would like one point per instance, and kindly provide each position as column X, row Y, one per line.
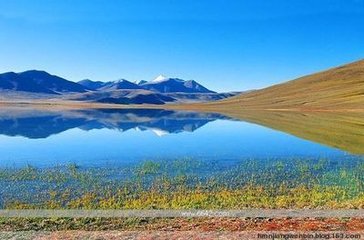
column 337, row 88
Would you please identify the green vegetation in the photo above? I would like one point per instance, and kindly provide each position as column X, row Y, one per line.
column 189, row 184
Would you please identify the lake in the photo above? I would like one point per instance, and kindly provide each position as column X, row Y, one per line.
column 102, row 137
column 164, row 159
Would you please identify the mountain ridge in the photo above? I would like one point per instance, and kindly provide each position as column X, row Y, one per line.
column 38, row 82
column 122, row 91
column 167, row 85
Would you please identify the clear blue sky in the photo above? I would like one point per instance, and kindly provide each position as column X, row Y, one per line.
column 225, row 45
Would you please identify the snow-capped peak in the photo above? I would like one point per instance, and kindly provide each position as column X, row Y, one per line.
column 160, row 78
column 120, row 80
column 140, row 82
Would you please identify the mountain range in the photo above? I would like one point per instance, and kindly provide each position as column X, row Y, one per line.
column 158, row 91
column 339, row 88
column 166, row 85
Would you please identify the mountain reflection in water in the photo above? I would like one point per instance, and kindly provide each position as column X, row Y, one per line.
column 344, row 131
column 35, row 124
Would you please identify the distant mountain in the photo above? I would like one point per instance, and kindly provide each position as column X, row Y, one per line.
column 13, row 81
column 92, row 85
column 159, row 91
column 161, row 85
column 42, row 85
column 120, row 84
column 140, row 82
column 167, row 85
column 38, row 82
column 109, row 86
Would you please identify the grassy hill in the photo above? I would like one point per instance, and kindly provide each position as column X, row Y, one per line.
column 337, row 88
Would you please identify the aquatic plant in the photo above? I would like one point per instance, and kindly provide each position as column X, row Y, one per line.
column 189, row 184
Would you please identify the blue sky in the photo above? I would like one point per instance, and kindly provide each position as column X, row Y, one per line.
column 225, row 45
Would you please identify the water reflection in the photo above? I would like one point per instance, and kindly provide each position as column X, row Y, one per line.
column 341, row 130
column 344, row 131
column 36, row 124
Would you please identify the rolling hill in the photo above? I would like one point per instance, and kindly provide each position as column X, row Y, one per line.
column 337, row 88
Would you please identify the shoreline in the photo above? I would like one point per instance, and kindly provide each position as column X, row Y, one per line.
column 199, row 107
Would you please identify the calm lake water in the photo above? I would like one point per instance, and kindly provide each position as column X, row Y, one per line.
column 63, row 159
column 119, row 137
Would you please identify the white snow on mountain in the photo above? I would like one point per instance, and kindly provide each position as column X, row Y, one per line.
column 160, row 78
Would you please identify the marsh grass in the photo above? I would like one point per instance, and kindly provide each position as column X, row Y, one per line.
column 189, row 184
